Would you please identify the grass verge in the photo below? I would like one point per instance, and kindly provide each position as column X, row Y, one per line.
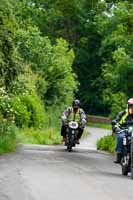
column 37, row 136
column 99, row 125
column 107, row 143
column 7, row 138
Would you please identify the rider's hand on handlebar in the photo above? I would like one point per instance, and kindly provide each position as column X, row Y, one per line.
column 65, row 124
column 82, row 123
column 117, row 130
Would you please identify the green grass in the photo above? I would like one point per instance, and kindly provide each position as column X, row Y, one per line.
column 107, row 143
column 37, row 136
column 7, row 138
column 7, row 144
column 99, row 125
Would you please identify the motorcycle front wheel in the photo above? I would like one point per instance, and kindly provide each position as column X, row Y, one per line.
column 69, row 147
column 124, row 170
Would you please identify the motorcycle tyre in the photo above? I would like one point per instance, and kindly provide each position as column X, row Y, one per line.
column 125, row 170
column 69, row 147
column 131, row 173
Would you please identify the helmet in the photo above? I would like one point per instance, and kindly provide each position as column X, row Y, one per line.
column 130, row 106
column 76, row 103
column 130, row 102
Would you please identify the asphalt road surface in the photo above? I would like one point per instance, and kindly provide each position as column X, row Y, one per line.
column 38, row 172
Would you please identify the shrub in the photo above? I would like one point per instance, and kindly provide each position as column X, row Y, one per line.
column 36, row 136
column 107, row 143
column 22, row 115
column 6, row 110
column 7, row 136
column 35, row 109
column 29, row 111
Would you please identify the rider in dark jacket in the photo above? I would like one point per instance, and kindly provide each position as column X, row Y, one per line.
column 73, row 113
column 117, row 125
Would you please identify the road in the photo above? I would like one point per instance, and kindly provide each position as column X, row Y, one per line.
column 41, row 172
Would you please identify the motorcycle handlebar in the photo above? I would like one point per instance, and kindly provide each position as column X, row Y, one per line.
column 129, row 123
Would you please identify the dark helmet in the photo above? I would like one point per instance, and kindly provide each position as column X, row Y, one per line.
column 130, row 102
column 76, row 103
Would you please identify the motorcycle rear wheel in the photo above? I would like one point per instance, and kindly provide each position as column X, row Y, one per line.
column 131, row 173
column 125, row 170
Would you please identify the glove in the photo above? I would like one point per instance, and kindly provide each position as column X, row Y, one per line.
column 117, row 130
column 83, row 122
column 64, row 119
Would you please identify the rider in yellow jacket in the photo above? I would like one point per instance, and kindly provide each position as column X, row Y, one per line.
column 117, row 126
column 73, row 113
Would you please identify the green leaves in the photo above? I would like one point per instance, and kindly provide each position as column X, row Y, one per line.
column 10, row 62
column 36, row 55
column 52, row 63
column 116, row 52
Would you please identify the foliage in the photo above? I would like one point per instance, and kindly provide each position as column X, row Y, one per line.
column 29, row 111
column 35, row 109
column 116, row 50
column 22, row 116
column 10, row 62
column 100, row 33
column 6, row 110
column 8, row 133
column 36, row 136
column 24, row 83
column 51, row 51
column 73, row 22
column 99, row 125
column 107, row 143
column 25, row 110
column 56, row 76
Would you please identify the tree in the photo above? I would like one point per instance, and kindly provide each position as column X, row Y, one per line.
column 116, row 51
column 52, row 63
column 10, row 62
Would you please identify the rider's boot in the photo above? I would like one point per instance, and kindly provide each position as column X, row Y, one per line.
column 118, row 158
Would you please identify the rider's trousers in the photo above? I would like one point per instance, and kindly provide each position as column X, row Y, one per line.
column 119, row 142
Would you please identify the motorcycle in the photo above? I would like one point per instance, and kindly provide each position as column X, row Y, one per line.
column 71, row 136
column 127, row 156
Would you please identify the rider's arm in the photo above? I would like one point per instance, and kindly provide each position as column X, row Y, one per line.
column 116, row 124
column 82, row 117
column 65, row 114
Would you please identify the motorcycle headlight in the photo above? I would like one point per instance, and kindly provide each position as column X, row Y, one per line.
column 73, row 131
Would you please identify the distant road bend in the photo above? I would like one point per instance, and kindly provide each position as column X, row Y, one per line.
column 42, row 172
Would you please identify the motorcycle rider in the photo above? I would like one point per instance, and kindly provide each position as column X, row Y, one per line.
column 117, row 124
column 73, row 113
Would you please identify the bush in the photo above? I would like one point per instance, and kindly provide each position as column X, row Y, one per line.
column 35, row 109
column 8, row 133
column 22, row 115
column 107, row 143
column 6, row 110
column 36, row 136
column 29, row 111
column 11, row 108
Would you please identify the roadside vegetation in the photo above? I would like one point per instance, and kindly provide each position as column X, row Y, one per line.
column 99, row 125
column 53, row 51
column 106, row 143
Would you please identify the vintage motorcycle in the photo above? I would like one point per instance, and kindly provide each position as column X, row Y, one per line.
column 127, row 156
column 71, row 136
